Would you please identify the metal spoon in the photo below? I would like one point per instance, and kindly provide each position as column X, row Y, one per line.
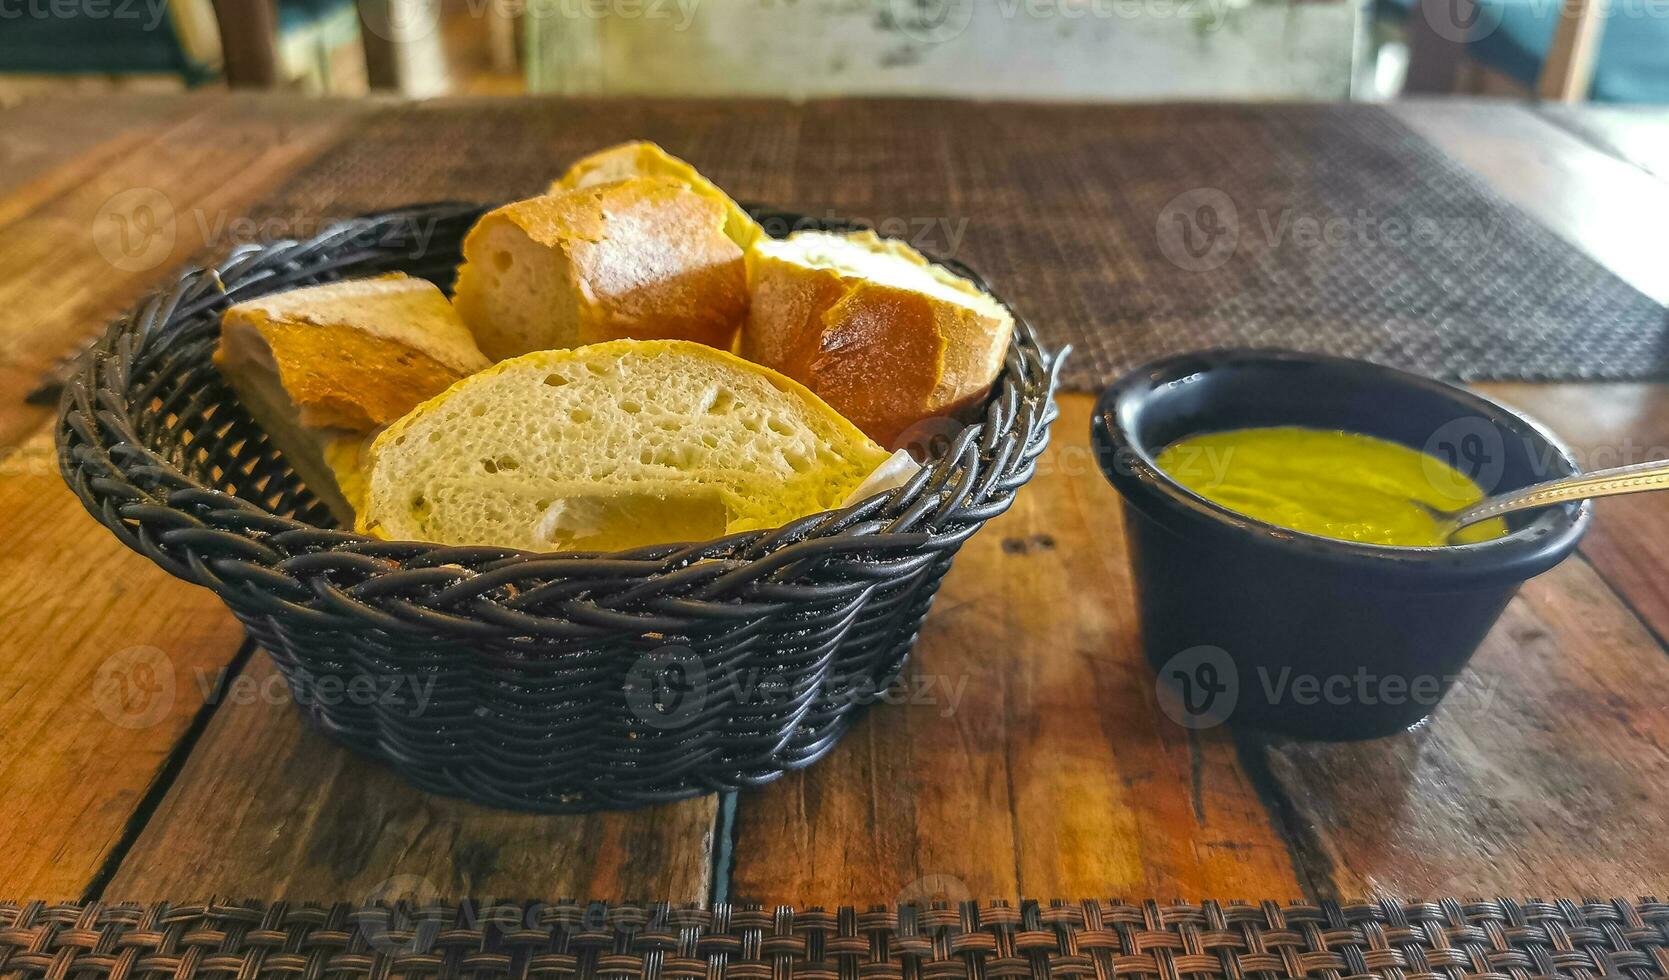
column 1636, row 478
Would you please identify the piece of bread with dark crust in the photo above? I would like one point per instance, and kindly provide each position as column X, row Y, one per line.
column 881, row 334
column 321, row 368
column 641, row 258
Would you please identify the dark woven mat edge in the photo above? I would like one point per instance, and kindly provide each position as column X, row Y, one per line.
column 1449, row 938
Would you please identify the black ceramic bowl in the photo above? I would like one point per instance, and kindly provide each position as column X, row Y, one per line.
column 1250, row 623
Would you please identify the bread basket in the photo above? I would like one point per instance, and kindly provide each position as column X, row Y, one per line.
column 557, row 683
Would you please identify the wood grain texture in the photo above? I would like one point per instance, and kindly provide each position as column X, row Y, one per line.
column 1029, row 757
column 1614, row 425
column 1033, row 761
column 100, row 652
column 1611, row 209
column 299, row 817
column 44, row 135
column 99, row 231
column 1545, row 772
column 103, row 652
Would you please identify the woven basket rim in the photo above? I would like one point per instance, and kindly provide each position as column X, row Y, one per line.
column 95, row 433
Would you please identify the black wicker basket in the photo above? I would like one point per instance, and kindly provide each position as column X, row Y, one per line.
column 545, row 682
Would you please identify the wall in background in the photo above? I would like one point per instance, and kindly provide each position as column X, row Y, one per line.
column 1039, row 49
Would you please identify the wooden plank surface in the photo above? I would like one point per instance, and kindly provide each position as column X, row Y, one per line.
column 298, row 817
column 98, row 682
column 1030, row 757
column 1638, row 134
column 1032, row 761
column 313, row 821
column 1545, row 772
column 87, row 239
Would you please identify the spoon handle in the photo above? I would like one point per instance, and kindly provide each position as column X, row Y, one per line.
column 1636, row 478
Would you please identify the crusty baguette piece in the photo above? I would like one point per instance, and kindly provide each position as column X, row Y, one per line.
column 642, row 258
column 323, row 366
column 881, row 334
column 644, row 159
column 612, row 446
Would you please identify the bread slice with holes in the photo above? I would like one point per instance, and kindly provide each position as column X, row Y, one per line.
column 322, row 367
column 612, row 446
column 641, row 258
column 887, row 338
column 644, row 159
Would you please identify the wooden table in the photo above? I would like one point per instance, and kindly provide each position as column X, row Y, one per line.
column 146, row 751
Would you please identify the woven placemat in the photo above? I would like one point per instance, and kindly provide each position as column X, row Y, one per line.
column 1128, row 231
column 1103, row 939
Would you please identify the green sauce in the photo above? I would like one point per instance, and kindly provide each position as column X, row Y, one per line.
column 1334, row 484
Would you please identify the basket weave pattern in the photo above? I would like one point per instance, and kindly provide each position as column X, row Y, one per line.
column 545, row 677
column 1450, row 939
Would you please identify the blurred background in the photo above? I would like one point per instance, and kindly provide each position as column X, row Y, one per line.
column 1614, row 51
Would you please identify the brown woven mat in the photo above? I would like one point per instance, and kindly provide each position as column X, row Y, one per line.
column 1449, row 939
column 1129, row 232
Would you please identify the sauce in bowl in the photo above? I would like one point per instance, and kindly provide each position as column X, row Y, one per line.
column 1334, row 484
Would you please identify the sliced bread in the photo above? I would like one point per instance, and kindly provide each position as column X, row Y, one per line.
column 321, row 367
column 640, row 258
column 887, row 338
column 612, row 446
column 644, row 159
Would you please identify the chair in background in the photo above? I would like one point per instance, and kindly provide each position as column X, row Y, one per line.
column 1584, row 49
column 264, row 38
column 293, row 43
column 136, row 39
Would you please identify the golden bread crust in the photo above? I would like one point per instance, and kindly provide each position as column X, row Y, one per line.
column 886, row 357
column 644, row 159
column 641, row 258
column 358, row 355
